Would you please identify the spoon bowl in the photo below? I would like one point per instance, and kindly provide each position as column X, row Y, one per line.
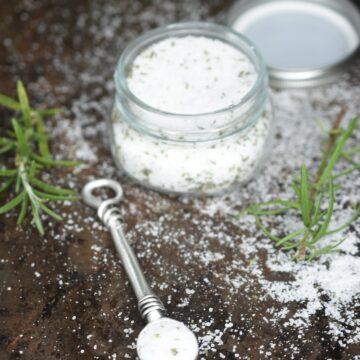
column 167, row 339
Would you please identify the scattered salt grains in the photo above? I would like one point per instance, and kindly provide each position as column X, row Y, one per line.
column 336, row 277
column 207, row 258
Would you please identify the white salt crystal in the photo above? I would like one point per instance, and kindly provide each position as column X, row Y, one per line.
column 191, row 75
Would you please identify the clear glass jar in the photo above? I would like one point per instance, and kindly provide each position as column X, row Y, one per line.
column 203, row 153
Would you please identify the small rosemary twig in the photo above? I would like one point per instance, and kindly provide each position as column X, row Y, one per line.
column 330, row 143
column 309, row 200
column 28, row 147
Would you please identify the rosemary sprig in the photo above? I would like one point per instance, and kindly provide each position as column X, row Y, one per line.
column 26, row 146
column 313, row 201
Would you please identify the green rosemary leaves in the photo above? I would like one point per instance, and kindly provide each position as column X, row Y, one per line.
column 26, row 147
column 313, row 201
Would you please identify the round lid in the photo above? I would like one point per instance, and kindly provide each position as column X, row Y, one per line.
column 304, row 42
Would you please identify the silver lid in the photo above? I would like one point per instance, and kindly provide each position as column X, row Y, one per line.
column 304, row 42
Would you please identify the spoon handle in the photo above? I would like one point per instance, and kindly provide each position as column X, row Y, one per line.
column 150, row 306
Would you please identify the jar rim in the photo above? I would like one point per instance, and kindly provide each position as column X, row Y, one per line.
column 179, row 29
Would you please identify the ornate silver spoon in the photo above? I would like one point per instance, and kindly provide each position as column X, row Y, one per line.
column 162, row 338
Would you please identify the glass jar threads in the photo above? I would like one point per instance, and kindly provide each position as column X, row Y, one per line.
column 192, row 113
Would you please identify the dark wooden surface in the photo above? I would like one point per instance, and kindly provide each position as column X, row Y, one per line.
column 65, row 296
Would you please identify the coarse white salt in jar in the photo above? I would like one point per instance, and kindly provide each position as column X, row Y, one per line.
column 192, row 113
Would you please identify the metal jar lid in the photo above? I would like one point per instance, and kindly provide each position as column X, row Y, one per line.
column 304, row 42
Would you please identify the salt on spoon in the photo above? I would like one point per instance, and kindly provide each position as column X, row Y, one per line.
column 162, row 338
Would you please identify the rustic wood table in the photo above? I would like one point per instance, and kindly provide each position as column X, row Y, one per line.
column 65, row 295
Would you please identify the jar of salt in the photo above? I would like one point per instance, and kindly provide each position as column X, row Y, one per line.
column 192, row 113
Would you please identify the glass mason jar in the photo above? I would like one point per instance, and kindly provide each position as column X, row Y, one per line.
column 193, row 154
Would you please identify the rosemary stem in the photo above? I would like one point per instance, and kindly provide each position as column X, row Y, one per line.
column 334, row 133
column 301, row 254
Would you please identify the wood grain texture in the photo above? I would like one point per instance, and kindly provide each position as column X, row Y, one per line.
column 65, row 296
